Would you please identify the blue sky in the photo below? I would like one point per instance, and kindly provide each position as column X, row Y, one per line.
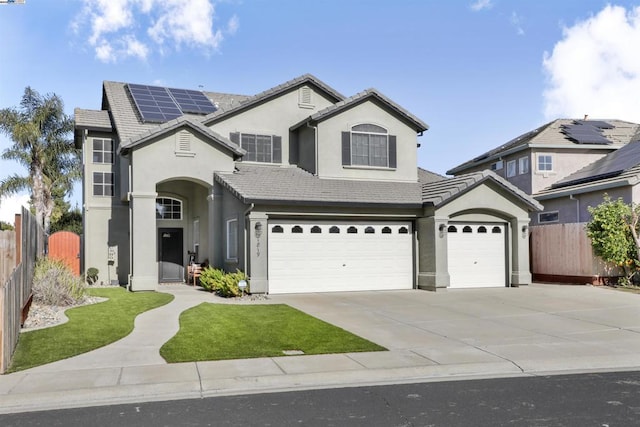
column 479, row 72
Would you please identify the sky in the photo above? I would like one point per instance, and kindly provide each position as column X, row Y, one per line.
column 478, row 72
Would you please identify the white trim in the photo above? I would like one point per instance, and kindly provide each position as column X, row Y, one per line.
column 521, row 161
column 228, row 253
column 512, row 169
column 557, row 213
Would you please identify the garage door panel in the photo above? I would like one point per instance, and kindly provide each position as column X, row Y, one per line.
column 326, row 262
column 477, row 258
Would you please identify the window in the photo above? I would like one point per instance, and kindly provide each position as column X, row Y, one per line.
column 196, row 235
column 496, row 230
column 511, row 168
column 352, row 230
column 545, row 162
column 496, row 166
column 482, row 229
column 523, row 165
column 386, row 230
column 103, row 151
column 260, row 148
column 467, row 229
column 548, row 217
column 369, row 230
column 334, row 230
column 316, row 230
column 369, row 145
column 103, row 184
column 452, row 229
column 277, row 229
column 168, row 208
column 296, row 229
column 403, row 230
column 232, row 239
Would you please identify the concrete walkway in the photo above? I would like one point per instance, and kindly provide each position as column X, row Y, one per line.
column 471, row 333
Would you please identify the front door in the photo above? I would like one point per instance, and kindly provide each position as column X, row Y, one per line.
column 170, row 255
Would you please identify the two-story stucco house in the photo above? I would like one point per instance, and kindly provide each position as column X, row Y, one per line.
column 304, row 189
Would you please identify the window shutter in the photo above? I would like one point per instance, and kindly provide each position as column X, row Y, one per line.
column 346, row 148
column 235, row 137
column 277, row 149
column 393, row 162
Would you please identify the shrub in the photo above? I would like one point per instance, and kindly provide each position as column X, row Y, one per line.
column 223, row 284
column 55, row 284
column 91, row 276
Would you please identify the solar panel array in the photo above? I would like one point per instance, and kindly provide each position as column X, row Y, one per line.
column 587, row 132
column 158, row 104
column 611, row 165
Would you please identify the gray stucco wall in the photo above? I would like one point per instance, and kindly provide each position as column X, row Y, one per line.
column 307, row 149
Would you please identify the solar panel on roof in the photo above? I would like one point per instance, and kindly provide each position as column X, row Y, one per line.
column 612, row 164
column 159, row 104
column 192, row 101
column 597, row 123
column 585, row 132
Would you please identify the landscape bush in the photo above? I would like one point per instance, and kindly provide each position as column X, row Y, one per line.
column 55, row 284
column 223, row 284
column 91, row 276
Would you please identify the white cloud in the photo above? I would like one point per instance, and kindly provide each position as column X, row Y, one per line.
column 120, row 29
column 516, row 21
column 481, row 5
column 10, row 206
column 595, row 68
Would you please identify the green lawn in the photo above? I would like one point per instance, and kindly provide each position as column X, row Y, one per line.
column 89, row 327
column 220, row 331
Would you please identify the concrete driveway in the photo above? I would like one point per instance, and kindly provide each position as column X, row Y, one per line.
column 537, row 328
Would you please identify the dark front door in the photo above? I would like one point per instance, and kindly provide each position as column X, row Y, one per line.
column 170, row 254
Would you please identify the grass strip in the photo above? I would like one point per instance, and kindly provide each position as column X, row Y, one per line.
column 219, row 331
column 89, row 327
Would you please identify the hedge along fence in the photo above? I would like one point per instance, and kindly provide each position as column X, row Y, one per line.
column 15, row 292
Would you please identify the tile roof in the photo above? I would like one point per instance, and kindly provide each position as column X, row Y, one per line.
column 273, row 92
column 182, row 121
column 550, row 135
column 92, row 119
column 275, row 184
column 363, row 96
column 439, row 192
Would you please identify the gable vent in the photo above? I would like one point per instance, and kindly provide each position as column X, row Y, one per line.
column 183, row 144
column 305, row 97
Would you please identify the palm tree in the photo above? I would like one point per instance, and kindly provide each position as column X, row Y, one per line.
column 40, row 132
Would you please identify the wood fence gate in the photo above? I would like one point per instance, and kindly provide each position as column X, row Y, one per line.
column 65, row 246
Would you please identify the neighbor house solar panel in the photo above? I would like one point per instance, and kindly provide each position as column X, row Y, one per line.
column 583, row 132
column 597, row 123
column 612, row 164
column 192, row 101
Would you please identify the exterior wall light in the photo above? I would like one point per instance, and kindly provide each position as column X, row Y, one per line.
column 258, row 229
column 525, row 230
column 441, row 228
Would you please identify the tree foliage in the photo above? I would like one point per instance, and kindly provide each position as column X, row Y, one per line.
column 40, row 131
column 613, row 231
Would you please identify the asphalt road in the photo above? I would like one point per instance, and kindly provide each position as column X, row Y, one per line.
column 604, row 400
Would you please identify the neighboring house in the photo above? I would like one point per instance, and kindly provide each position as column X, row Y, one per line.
column 303, row 189
column 567, row 165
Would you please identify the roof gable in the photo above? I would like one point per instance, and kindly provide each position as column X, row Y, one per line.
column 369, row 95
column 306, row 79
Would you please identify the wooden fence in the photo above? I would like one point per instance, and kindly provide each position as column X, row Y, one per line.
column 7, row 254
column 65, row 246
column 563, row 253
column 15, row 292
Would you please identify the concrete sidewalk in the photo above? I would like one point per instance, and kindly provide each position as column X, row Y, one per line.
column 471, row 333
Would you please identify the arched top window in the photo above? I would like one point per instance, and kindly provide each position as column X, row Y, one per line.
column 386, row 230
column 334, row 230
column 352, row 230
column 370, row 146
column 482, row 229
column 452, row 229
column 277, row 229
column 168, row 208
column 496, row 230
column 296, row 229
column 316, row 230
column 467, row 229
column 369, row 230
column 368, row 127
column 403, row 230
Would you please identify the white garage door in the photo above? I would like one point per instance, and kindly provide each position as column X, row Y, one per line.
column 477, row 255
column 319, row 256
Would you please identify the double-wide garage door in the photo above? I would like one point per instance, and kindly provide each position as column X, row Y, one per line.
column 322, row 256
column 476, row 255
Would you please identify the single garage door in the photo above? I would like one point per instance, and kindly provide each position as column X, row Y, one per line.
column 477, row 255
column 339, row 256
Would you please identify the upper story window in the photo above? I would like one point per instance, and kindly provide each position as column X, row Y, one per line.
column 103, row 184
column 496, row 166
column 103, row 151
column 511, row 168
column 369, row 145
column 545, row 217
column 545, row 162
column 523, row 165
column 168, row 208
column 260, row 148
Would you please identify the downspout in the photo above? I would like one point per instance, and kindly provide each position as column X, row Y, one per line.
column 246, row 235
column 577, row 207
column 315, row 143
column 130, row 224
